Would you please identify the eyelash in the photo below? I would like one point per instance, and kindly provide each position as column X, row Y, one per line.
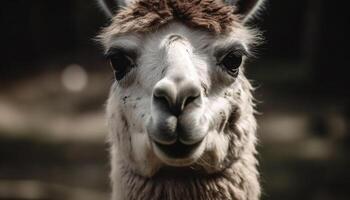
column 121, row 62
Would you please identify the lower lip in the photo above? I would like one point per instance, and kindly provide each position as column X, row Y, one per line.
column 178, row 150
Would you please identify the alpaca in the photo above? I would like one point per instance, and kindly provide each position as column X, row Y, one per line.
column 180, row 112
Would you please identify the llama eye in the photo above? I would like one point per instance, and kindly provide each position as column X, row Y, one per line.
column 121, row 63
column 231, row 62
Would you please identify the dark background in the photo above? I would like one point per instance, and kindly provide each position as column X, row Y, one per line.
column 52, row 133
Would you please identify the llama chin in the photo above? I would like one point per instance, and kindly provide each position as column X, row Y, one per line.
column 181, row 112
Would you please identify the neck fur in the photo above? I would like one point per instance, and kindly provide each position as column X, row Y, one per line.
column 239, row 182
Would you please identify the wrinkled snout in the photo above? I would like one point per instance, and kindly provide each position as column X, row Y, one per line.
column 175, row 125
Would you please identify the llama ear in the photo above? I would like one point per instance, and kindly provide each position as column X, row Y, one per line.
column 246, row 8
column 110, row 7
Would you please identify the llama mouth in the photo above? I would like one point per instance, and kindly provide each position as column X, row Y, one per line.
column 178, row 150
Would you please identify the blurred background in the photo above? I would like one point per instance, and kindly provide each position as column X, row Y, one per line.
column 54, row 82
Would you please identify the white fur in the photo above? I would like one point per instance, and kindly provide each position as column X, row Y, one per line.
column 223, row 115
column 191, row 58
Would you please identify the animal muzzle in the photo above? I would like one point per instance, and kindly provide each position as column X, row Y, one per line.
column 176, row 122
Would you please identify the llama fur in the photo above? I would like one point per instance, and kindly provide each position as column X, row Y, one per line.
column 224, row 167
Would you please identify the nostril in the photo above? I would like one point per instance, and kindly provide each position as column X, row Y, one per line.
column 190, row 99
column 174, row 98
column 164, row 94
column 163, row 100
column 189, row 95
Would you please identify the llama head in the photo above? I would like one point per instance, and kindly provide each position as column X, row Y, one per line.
column 180, row 98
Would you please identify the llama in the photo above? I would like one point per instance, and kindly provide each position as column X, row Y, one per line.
column 180, row 112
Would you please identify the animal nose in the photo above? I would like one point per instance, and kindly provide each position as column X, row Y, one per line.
column 175, row 97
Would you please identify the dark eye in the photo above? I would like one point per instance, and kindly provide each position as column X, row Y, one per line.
column 231, row 62
column 121, row 62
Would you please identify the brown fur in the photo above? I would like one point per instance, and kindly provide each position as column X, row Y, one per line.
column 145, row 16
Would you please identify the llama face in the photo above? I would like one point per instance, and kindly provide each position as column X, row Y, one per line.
column 177, row 99
column 180, row 98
